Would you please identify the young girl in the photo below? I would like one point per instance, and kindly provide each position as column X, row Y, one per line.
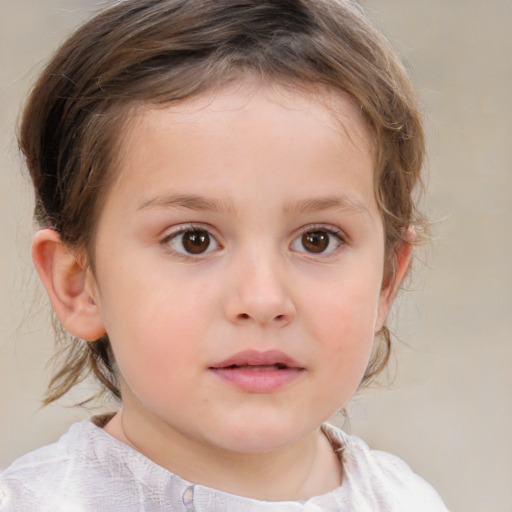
column 224, row 190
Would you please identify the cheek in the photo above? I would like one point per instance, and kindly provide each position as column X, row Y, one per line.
column 155, row 331
column 155, row 356
column 345, row 321
column 350, row 309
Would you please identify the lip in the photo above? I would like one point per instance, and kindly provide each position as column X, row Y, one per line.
column 253, row 371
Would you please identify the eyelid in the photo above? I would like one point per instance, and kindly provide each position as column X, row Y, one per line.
column 338, row 233
column 185, row 228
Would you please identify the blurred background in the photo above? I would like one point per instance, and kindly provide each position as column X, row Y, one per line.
column 447, row 405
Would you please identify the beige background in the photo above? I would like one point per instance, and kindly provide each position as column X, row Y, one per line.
column 449, row 409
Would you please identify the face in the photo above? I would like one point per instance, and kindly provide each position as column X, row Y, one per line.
column 239, row 265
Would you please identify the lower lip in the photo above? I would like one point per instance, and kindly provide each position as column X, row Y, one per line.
column 258, row 381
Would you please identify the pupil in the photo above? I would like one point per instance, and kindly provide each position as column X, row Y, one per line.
column 315, row 241
column 196, row 242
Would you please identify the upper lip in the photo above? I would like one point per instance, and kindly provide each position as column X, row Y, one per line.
column 258, row 358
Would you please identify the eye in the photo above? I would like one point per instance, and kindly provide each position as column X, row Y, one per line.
column 192, row 241
column 318, row 241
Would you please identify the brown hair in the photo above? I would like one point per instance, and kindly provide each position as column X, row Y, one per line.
column 162, row 51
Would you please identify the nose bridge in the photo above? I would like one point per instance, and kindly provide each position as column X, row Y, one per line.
column 260, row 292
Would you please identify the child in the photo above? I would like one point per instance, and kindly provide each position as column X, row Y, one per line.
column 224, row 190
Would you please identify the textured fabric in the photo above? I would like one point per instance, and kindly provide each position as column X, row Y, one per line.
column 88, row 470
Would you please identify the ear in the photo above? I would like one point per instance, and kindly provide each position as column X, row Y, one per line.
column 399, row 265
column 69, row 285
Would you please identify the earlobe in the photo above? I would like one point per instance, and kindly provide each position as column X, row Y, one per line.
column 399, row 267
column 68, row 286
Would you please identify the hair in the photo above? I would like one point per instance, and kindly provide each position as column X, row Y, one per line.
column 157, row 52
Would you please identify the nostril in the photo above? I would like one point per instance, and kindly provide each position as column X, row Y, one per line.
column 261, row 318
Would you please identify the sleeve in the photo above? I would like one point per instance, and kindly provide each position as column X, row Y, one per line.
column 32, row 483
column 409, row 490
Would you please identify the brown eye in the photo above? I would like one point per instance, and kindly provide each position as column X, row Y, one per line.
column 192, row 242
column 195, row 242
column 316, row 241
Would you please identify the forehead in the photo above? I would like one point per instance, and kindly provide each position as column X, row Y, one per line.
column 334, row 108
column 251, row 126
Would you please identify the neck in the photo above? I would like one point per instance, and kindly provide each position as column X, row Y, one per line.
column 298, row 471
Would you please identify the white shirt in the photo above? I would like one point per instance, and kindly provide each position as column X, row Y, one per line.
column 89, row 470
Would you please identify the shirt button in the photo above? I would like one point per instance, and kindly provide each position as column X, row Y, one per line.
column 187, row 498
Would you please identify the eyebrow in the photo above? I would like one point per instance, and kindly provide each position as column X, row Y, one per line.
column 227, row 206
column 190, row 202
column 332, row 202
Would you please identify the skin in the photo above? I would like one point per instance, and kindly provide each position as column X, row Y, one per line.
column 255, row 166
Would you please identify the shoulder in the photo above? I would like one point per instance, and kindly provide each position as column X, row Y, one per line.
column 34, row 481
column 87, row 470
column 382, row 477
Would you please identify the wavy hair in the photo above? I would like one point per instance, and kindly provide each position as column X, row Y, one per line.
column 160, row 52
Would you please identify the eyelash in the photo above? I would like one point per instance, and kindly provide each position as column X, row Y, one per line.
column 337, row 234
column 332, row 232
column 191, row 228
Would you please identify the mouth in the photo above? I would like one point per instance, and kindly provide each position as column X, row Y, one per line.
column 253, row 359
column 257, row 367
column 258, row 372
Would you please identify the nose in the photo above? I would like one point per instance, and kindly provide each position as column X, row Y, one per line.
column 259, row 293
